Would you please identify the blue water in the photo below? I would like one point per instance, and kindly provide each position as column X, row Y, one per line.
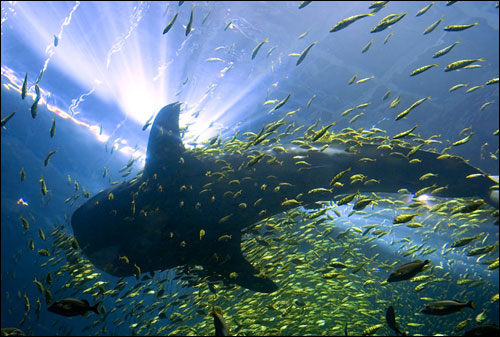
column 113, row 69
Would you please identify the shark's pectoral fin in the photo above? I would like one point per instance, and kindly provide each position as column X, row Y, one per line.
column 229, row 262
column 238, row 270
column 165, row 143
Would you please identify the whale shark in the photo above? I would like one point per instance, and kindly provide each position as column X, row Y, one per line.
column 190, row 207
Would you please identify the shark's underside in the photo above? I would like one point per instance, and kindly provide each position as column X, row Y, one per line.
column 189, row 209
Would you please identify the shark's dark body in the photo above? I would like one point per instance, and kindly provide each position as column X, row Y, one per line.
column 156, row 220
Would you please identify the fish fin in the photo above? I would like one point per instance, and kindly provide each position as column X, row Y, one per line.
column 246, row 275
column 249, row 277
column 95, row 308
column 165, row 143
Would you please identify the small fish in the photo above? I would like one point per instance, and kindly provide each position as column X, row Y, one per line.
column 303, row 35
column 6, row 119
column 388, row 21
column 367, row 46
column 352, row 79
column 482, row 250
column 473, row 66
column 221, row 327
column 25, row 223
column 72, row 307
column 304, row 53
column 124, row 259
column 202, row 233
column 189, row 26
column 363, row 80
column 46, row 161
column 460, row 64
column 291, row 202
column 355, row 118
column 433, row 26
column 39, row 79
column 269, row 52
column 386, row 95
column 346, row 22
column 427, row 176
column 458, row 86
column 24, row 90
column 34, row 106
column 137, row 271
column 402, row 218
column 442, row 308
column 362, row 203
column 492, row 81
column 424, row 10
column 304, row 4
column 225, row 238
column 214, row 59
column 280, row 104
column 347, row 199
column 405, row 133
column 413, row 106
column 228, row 24
column 257, row 48
column 465, row 241
column 321, row 132
column 395, row 102
column 463, row 140
column 372, row 330
column 53, row 127
column 457, row 28
column 485, row 105
column 42, row 234
column 474, row 88
column 43, row 186
column 445, row 51
column 388, row 37
column 422, row 69
column 39, row 285
column 74, row 243
column 339, row 176
column 310, row 101
column 56, row 40
column 407, row 271
column 43, row 252
column 206, row 17
column 170, row 24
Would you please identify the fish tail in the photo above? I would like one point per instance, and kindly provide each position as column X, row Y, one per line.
column 471, row 305
column 95, row 308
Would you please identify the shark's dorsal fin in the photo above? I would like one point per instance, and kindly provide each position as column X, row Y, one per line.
column 165, row 144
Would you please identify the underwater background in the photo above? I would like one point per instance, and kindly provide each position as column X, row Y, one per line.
column 104, row 69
